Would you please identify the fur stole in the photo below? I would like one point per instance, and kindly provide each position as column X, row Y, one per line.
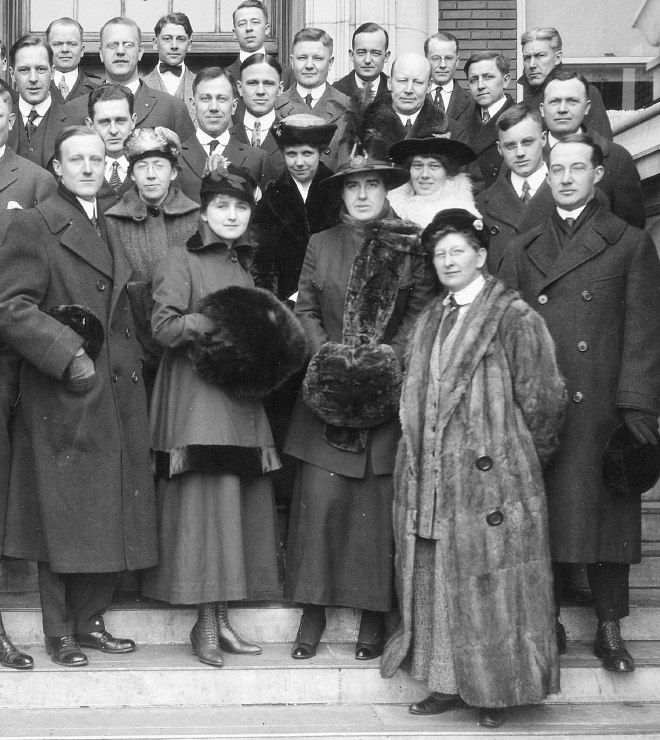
column 381, row 118
column 456, row 192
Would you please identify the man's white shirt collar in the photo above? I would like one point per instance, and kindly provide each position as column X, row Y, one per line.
column 2, row 150
column 466, row 295
column 535, row 180
column 205, row 140
column 243, row 55
column 316, row 92
column 404, row 117
column 563, row 214
column 495, row 107
column 133, row 86
column 448, row 87
column 89, row 206
column 171, row 81
column 69, row 77
column 266, row 121
column 361, row 84
column 42, row 108
column 122, row 168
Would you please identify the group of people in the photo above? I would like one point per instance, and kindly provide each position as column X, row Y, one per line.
column 417, row 312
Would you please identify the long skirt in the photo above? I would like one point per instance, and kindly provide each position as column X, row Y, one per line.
column 216, row 540
column 340, row 549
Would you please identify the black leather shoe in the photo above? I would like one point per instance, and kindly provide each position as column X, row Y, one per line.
column 562, row 643
column 105, row 642
column 489, row 717
column 309, row 634
column 367, row 651
column 12, row 657
column 609, row 646
column 437, row 704
column 65, row 651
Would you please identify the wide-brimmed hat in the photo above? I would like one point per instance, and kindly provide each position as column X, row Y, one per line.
column 152, row 142
column 303, row 128
column 367, row 155
column 460, row 220
column 228, row 179
column 431, row 145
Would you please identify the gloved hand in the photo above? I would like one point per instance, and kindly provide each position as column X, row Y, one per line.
column 81, row 367
column 642, row 425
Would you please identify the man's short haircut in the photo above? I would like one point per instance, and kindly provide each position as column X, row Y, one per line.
column 5, row 97
column 440, row 36
column 66, row 21
column 596, row 151
column 370, row 27
column 121, row 21
column 501, row 62
column 313, row 34
column 68, row 133
column 213, row 73
column 260, row 59
column 542, row 33
column 251, row 4
column 109, row 91
column 517, row 114
column 26, row 41
column 176, row 19
column 564, row 75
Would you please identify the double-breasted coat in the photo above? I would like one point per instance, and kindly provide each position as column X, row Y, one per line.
column 81, row 493
column 600, row 298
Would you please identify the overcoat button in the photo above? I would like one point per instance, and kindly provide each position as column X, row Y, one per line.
column 115, row 377
column 100, row 285
column 494, row 230
column 542, row 299
column 495, row 518
column 110, row 332
column 578, row 397
column 327, row 151
column 128, row 332
column 586, row 295
column 484, row 463
column 135, row 377
column 583, row 346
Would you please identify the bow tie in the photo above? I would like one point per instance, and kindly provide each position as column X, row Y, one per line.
column 175, row 69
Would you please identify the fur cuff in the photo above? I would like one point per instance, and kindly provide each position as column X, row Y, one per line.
column 84, row 322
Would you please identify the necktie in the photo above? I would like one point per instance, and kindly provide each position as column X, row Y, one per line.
column 438, row 98
column 256, row 134
column 408, row 124
column 95, row 223
column 64, row 88
column 526, row 194
column 309, row 100
column 213, row 145
column 31, row 126
column 569, row 221
column 449, row 320
column 485, row 115
column 368, row 93
column 175, row 69
column 115, row 180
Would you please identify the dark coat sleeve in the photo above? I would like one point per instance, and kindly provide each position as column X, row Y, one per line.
column 308, row 308
column 265, row 233
column 627, row 198
column 597, row 117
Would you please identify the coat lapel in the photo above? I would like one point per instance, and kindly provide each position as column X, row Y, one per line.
column 145, row 102
column 57, row 122
column 236, row 152
column 585, row 245
column 8, row 169
column 505, row 205
column 193, row 152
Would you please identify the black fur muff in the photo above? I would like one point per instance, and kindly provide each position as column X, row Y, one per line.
column 84, row 322
column 258, row 343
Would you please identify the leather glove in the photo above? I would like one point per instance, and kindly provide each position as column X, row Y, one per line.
column 642, row 425
column 81, row 367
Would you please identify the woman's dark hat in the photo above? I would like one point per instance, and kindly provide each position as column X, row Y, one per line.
column 630, row 467
column 228, row 179
column 152, row 142
column 432, row 145
column 459, row 219
column 302, row 129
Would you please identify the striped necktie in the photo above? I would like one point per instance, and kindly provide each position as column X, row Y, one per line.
column 526, row 194
column 31, row 126
column 115, row 180
column 256, row 134
column 64, row 88
column 438, row 98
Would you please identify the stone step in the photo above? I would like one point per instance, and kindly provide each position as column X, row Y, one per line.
column 169, row 676
column 651, row 522
column 150, row 622
column 305, row 722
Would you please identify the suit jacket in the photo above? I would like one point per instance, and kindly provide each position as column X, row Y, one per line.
column 483, row 139
column 152, row 107
column 193, row 158
column 621, row 182
column 83, row 87
column 107, row 197
column 505, row 215
column 288, row 78
column 596, row 119
column 348, row 85
column 331, row 106
column 599, row 298
column 268, row 145
column 460, row 106
column 23, row 181
column 183, row 91
column 58, row 119
column 79, row 446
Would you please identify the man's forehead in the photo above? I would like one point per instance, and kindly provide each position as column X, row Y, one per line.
column 533, row 47
column 571, row 153
column 251, row 14
column 216, row 85
column 33, row 52
column 564, row 87
column 120, row 32
column 521, row 129
column 418, row 68
column 65, row 29
column 369, row 39
column 82, row 143
column 442, row 46
column 172, row 29
column 106, row 107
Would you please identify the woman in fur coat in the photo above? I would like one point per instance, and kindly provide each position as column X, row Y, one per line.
column 438, row 180
column 212, row 449
column 481, row 410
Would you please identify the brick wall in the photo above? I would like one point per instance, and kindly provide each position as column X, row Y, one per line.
column 480, row 25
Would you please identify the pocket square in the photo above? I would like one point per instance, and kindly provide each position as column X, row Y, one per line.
column 13, row 205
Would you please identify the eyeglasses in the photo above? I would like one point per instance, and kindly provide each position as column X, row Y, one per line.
column 511, row 146
column 558, row 171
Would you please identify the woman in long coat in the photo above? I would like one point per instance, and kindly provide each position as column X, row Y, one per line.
column 481, row 408
column 363, row 283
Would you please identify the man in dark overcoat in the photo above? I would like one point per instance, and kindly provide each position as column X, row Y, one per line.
column 508, row 207
column 81, row 498
column 596, row 282
column 369, row 53
column 65, row 38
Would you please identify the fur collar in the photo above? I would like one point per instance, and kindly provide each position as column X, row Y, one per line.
column 132, row 207
column 456, row 192
column 381, row 118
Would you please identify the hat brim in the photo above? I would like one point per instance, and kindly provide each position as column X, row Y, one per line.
column 316, row 136
column 394, row 176
column 429, row 146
